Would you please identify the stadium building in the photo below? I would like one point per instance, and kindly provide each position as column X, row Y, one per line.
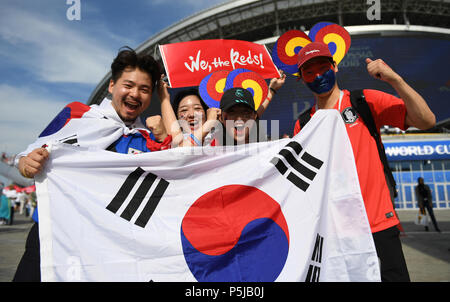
column 412, row 36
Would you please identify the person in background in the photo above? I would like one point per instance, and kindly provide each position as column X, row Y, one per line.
column 13, row 203
column 5, row 207
column 425, row 201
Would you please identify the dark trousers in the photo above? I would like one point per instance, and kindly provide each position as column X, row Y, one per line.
column 392, row 261
column 429, row 207
column 11, row 216
column 29, row 268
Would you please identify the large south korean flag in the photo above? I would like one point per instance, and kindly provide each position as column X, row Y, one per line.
column 286, row 210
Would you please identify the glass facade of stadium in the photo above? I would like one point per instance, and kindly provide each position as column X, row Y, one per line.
column 424, row 157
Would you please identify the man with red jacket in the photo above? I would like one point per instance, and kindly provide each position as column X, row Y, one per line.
column 318, row 72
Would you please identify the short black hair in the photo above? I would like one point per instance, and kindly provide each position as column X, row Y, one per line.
column 184, row 93
column 127, row 57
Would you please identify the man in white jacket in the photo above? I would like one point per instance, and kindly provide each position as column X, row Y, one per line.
column 114, row 125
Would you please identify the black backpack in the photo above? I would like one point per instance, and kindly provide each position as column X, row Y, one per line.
column 360, row 105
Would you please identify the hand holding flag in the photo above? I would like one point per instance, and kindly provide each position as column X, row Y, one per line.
column 33, row 163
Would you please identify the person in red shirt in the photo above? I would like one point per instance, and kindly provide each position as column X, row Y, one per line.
column 318, row 72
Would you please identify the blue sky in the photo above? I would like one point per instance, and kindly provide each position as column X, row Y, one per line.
column 48, row 61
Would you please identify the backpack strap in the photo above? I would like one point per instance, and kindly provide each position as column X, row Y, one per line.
column 359, row 103
column 304, row 117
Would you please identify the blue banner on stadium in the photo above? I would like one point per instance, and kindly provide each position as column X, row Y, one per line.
column 417, row 150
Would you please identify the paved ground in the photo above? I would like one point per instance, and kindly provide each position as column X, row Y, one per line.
column 12, row 245
column 427, row 253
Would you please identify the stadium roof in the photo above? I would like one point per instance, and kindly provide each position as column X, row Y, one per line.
column 263, row 21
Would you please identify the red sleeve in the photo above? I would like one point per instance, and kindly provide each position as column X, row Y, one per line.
column 154, row 145
column 386, row 109
column 166, row 143
column 297, row 127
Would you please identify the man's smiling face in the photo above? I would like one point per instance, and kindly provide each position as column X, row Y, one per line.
column 131, row 93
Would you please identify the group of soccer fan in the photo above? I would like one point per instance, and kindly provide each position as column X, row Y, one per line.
column 189, row 122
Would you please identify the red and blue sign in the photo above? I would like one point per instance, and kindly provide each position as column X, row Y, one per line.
column 212, row 87
column 286, row 48
column 235, row 233
column 336, row 37
column 249, row 80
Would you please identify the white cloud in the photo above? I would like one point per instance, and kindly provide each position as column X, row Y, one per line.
column 25, row 114
column 52, row 51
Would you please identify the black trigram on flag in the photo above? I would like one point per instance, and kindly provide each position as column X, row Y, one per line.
column 138, row 197
column 297, row 165
column 313, row 274
column 71, row 140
